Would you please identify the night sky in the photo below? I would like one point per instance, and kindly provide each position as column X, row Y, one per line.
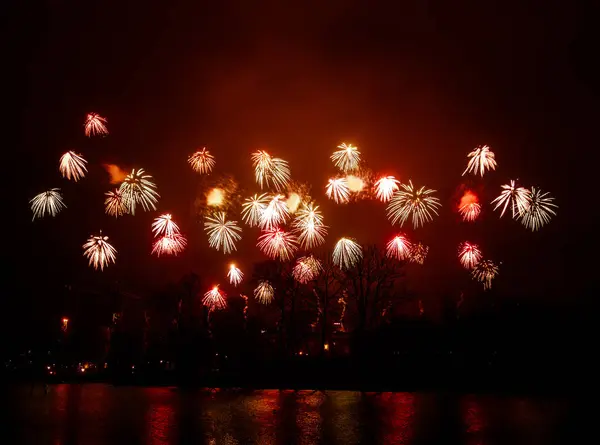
column 415, row 87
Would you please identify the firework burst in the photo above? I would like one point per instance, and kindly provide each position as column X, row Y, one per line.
column 164, row 226
column 264, row 292
column 215, row 299
column 337, row 189
column 518, row 197
column 306, row 269
column 235, row 275
column 540, row 210
column 169, row 245
column 346, row 158
column 347, row 253
column 469, row 207
column 115, row 204
column 418, row 253
column 222, row 234
column 253, row 208
column 275, row 213
column 99, row 252
column 399, row 247
column 50, row 202
column 95, row 125
column 482, row 159
column 278, row 244
column 138, row 188
column 202, row 161
column 410, row 201
column 469, row 254
column 72, row 166
column 484, row 272
column 269, row 170
column 309, row 227
column 385, row 188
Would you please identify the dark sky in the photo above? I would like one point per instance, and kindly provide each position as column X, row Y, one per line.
column 415, row 86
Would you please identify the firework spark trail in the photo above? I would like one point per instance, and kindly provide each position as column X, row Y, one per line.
column 95, row 125
column 385, row 188
column 138, row 188
column 115, row 203
column 72, row 166
column 169, row 245
column 214, row 299
column 482, row 159
column 253, row 208
column 469, row 254
column 469, row 206
column 202, row 161
column 269, row 170
column 337, row 189
column 235, row 275
column 410, row 201
column 99, row 252
column 518, row 197
column 347, row 253
column 278, row 244
column 399, row 247
column 50, row 202
column 264, row 292
column 346, row 158
column 418, row 253
column 164, row 226
column 222, row 233
column 245, row 298
column 540, row 210
column 307, row 269
column 484, row 272
column 274, row 214
column 343, row 304
column 309, row 227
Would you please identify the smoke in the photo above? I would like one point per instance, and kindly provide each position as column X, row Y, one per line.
column 116, row 174
column 215, row 197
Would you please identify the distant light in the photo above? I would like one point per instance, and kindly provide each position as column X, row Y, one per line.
column 326, row 346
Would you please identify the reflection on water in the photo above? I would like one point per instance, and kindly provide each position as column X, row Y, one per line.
column 102, row 414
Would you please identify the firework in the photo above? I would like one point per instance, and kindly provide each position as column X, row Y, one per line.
column 484, row 272
column 356, row 184
column 202, row 161
column 94, row 124
column 235, row 275
column 385, row 188
column 293, row 201
column 410, row 201
column 169, row 245
column 50, row 202
column 469, row 207
column 72, row 166
column 306, row 269
column 346, row 158
column 215, row 197
column 469, row 254
column 346, row 253
column 540, row 210
column 138, row 188
column 277, row 243
column 275, row 213
column 270, row 170
column 399, row 247
column 337, row 189
column 214, row 299
column 221, row 233
column 309, row 227
column 164, row 226
column 99, row 252
column 115, row 204
column 264, row 292
column 253, row 208
column 482, row 159
column 518, row 197
column 418, row 253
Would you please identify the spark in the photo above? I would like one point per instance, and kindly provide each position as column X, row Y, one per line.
column 469, row 254
column 309, row 227
column 264, row 292
column 215, row 197
column 306, row 269
column 169, row 244
column 270, row 170
column 346, row 158
column 214, row 298
column 278, row 244
column 275, row 213
column 399, row 247
column 484, row 272
column 518, row 197
column 482, row 158
column 346, row 253
column 469, row 206
column 138, row 188
column 253, row 208
column 99, row 252
column 355, row 183
column 164, row 226
column 72, row 166
column 418, row 253
column 337, row 189
column 115, row 204
column 221, row 233
column 385, row 188
column 235, row 275
column 410, row 201
column 540, row 210
column 202, row 161
column 50, row 202
column 95, row 125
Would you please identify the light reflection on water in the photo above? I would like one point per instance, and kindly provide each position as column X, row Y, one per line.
column 101, row 414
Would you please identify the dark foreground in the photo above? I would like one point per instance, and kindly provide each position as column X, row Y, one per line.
column 103, row 414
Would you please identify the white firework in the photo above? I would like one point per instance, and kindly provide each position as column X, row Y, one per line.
column 347, row 253
column 72, row 166
column 399, row 247
column 99, row 252
column 540, row 210
column 264, row 292
column 385, row 188
column 346, row 158
column 275, row 213
column 337, row 189
column 164, row 226
column 518, row 198
column 235, row 275
column 411, row 201
column 308, row 226
column 138, row 188
column 222, row 234
column 253, row 208
column 50, row 202
column 307, row 269
column 482, row 159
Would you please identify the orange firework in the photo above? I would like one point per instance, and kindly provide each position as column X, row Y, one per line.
column 169, row 245
column 95, row 125
column 202, row 161
column 215, row 298
column 469, row 206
